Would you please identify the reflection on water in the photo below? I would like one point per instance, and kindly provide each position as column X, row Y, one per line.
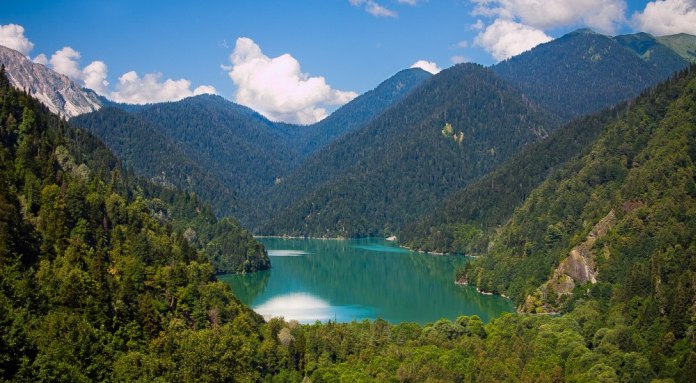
column 286, row 253
column 307, row 308
column 360, row 279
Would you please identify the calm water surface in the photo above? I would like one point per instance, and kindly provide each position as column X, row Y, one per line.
column 345, row 280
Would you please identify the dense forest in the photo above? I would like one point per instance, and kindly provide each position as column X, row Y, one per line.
column 453, row 128
column 583, row 71
column 228, row 154
column 467, row 220
column 361, row 110
column 108, row 277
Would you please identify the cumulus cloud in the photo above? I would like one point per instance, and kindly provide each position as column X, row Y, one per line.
column 602, row 15
column 94, row 77
column 505, row 38
column 12, row 36
column 373, row 8
column 41, row 59
column 204, row 89
column 130, row 88
column 65, row 61
column 427, row 66
column 667, row 17
column 150, row 88
column 458, row 59
column 277, row 87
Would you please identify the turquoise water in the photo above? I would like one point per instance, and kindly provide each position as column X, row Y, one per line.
column 345, row 280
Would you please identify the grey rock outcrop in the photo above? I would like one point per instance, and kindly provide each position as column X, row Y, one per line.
column 60, row 94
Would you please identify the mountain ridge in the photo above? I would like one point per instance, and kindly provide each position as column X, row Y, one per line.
column 60, row 94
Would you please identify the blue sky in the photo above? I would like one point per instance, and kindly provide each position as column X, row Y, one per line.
column 352, row 44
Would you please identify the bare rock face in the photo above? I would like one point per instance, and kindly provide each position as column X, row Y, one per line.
column 576, row 269
column 60, row 94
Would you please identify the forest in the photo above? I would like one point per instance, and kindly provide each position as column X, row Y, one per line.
column 109, row 277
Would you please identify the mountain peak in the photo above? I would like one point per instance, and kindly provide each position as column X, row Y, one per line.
column 60, row 94
column 583, row 31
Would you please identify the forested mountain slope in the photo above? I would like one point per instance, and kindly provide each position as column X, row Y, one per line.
column 94, row 287
column 226, row 153
column 682, row 43
column 623, row 214
column 455, row 127
column 91, row 269
column 223, row 152
column 142, row 146
column 468, row 219
column 361, row 110
column 583, row 72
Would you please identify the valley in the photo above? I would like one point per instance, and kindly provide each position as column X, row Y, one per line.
column 531, row 220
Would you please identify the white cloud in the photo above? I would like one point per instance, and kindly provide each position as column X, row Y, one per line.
column 602, row 15
column 94, row 77
column 427, row 66
column 667, row 17
column 505, row 38
column 65, row 61
column 373, row 8
column 458, row 59
column 204, row 89
column 41, row 59
column 277, row 88
column 463, row 44
column 133, row 89
column 409, row 2
column 12, row 36
column 478, row 25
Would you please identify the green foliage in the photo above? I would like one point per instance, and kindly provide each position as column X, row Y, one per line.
column 93, row 271
column 583, row 72
column 373, row 181
column 467, row 220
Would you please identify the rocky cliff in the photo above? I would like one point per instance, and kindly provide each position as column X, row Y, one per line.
column 60, row 94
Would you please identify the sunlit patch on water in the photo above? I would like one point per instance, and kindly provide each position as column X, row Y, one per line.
column 307, row 308
column 287, row 253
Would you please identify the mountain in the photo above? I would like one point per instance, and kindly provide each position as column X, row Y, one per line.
column 583, row 72
column 682, row 43
column 227, row 153
column 60, row 94
column 224, row 152
column 467, row 221
column 361, row 110
column 453, row 128
column 143, row 146
column 91, row 268
column 663, row 58
column 623, row 212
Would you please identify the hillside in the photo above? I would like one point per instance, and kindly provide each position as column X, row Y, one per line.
column 583, row 72
column 361, row 109
column 167, row 164
column 468, row 219
column 90, row 266
column 456, row 126
column 60, row 94
column 610, row 216
column 682, row 43
column 98, row 283
column 225, row 153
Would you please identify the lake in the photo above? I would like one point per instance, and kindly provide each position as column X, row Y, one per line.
column 346, row 280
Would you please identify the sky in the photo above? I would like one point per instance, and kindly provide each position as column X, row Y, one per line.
column 298, row 60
